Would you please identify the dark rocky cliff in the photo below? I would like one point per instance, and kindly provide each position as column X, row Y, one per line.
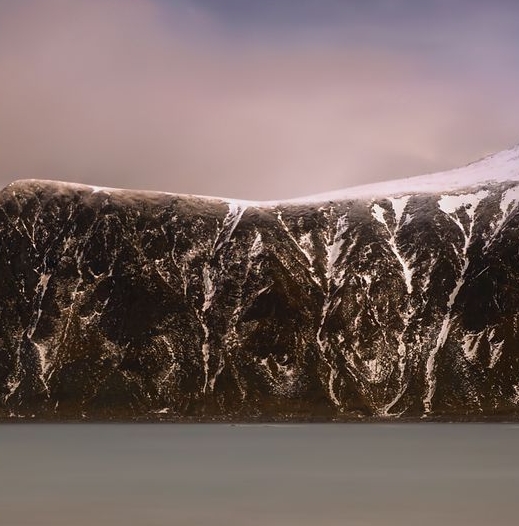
column 119, row 304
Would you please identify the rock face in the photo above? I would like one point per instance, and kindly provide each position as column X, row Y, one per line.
column 396, row 300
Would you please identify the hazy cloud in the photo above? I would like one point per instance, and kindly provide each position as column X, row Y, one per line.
column 182, row 97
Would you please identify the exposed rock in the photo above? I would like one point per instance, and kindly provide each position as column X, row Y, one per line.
column 397, row 300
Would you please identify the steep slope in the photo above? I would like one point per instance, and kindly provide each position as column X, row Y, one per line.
column 395, row 299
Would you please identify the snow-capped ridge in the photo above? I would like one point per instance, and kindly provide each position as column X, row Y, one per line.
column 496, row 168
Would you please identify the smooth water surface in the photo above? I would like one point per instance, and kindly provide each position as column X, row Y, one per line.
column 223, row 475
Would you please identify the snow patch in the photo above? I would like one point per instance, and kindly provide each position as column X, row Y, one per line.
column 209, row 288
column 257, row 246
column 470, row 345
column 496, row 349
column 98, row 189
column 399, row 204
column 379, row 214
column 449, row 204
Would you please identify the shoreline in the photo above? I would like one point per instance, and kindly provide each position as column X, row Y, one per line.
column 443, row 419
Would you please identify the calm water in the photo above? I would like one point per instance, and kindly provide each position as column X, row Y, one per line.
column 366, row 475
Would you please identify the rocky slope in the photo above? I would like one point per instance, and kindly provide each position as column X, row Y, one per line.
column 392, row 300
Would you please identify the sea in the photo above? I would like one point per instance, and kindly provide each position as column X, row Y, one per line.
column 399, row 474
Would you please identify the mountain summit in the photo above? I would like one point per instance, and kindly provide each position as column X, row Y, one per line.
column 396, row 299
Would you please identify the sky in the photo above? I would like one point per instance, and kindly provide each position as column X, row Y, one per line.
column 253, row 99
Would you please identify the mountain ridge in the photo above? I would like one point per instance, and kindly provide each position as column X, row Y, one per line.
column 137, row 305
column 497, row 167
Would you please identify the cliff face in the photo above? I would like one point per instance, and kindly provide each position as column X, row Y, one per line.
column 119, row 304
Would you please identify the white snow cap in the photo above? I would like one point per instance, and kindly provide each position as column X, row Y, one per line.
column 498, row 167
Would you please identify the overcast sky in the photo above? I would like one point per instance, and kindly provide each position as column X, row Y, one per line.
column 253, row 99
